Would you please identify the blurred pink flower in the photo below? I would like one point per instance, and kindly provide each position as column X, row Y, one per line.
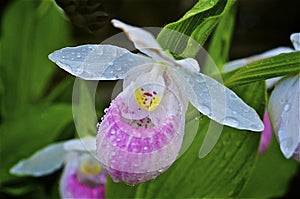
column 266, row 135
column 83, row 177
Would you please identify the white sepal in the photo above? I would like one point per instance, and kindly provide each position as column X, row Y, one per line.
column 189, row 64
column 43, row 162
column 295, row 39
column 142, row 40
column 284, row 112
column 97, row 62
column 218, row 102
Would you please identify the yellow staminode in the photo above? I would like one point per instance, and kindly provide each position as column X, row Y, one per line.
column 147, row 100
column 91, row 168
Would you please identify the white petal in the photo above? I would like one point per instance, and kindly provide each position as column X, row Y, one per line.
column 143, row 40
column 189, row 64
column 295, row 38
column 97, row 62
column 284, row 112
column 43, row 162
column 83, row 144
column 241, row 62
column 218, row 102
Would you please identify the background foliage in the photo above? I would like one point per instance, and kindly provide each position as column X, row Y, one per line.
column 36, row 104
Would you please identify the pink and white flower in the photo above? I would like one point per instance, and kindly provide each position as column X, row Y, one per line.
column 83, row 176
column 283, row 105
column 142, row 131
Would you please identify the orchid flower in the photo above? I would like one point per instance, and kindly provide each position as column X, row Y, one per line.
column 283, row 104
column 83, row 177
column 142, row 130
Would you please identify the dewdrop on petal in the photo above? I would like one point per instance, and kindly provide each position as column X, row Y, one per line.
column 142, row 131
column 138, row 150
column 284, row 110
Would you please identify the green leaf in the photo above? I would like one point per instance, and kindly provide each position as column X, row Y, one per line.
column 119, row 190
column 279, row 65
column 222, row 173
column 196, row 25
column 38, row 127
column 31, row 30
column 220, row 43
column 271, row 175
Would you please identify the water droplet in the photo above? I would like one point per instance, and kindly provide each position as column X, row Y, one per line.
column 229, row 170
column 227, row 155
column 110, row 63
column 238, row 143
column 105, row 110
column 286, row 145
column 232, row 121
column 205, row 109
column 254, row 126
column 200, row 80
column 78, row 55
column 98, row 125
column 246, row 110
column 287, row 107
column 145, row 148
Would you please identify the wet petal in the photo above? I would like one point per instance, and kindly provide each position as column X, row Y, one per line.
column 218, row 102
column 189, row 64
column 266, row 135
column 97, row 62
column 143, row 41
column 295, row 39
column 137, row 151
column 43, row 162
column 75, row 184
column 284, row 113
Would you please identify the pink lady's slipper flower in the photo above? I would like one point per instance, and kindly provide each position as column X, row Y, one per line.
column 142, row 130
column 83, row 176
column 283, row 105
